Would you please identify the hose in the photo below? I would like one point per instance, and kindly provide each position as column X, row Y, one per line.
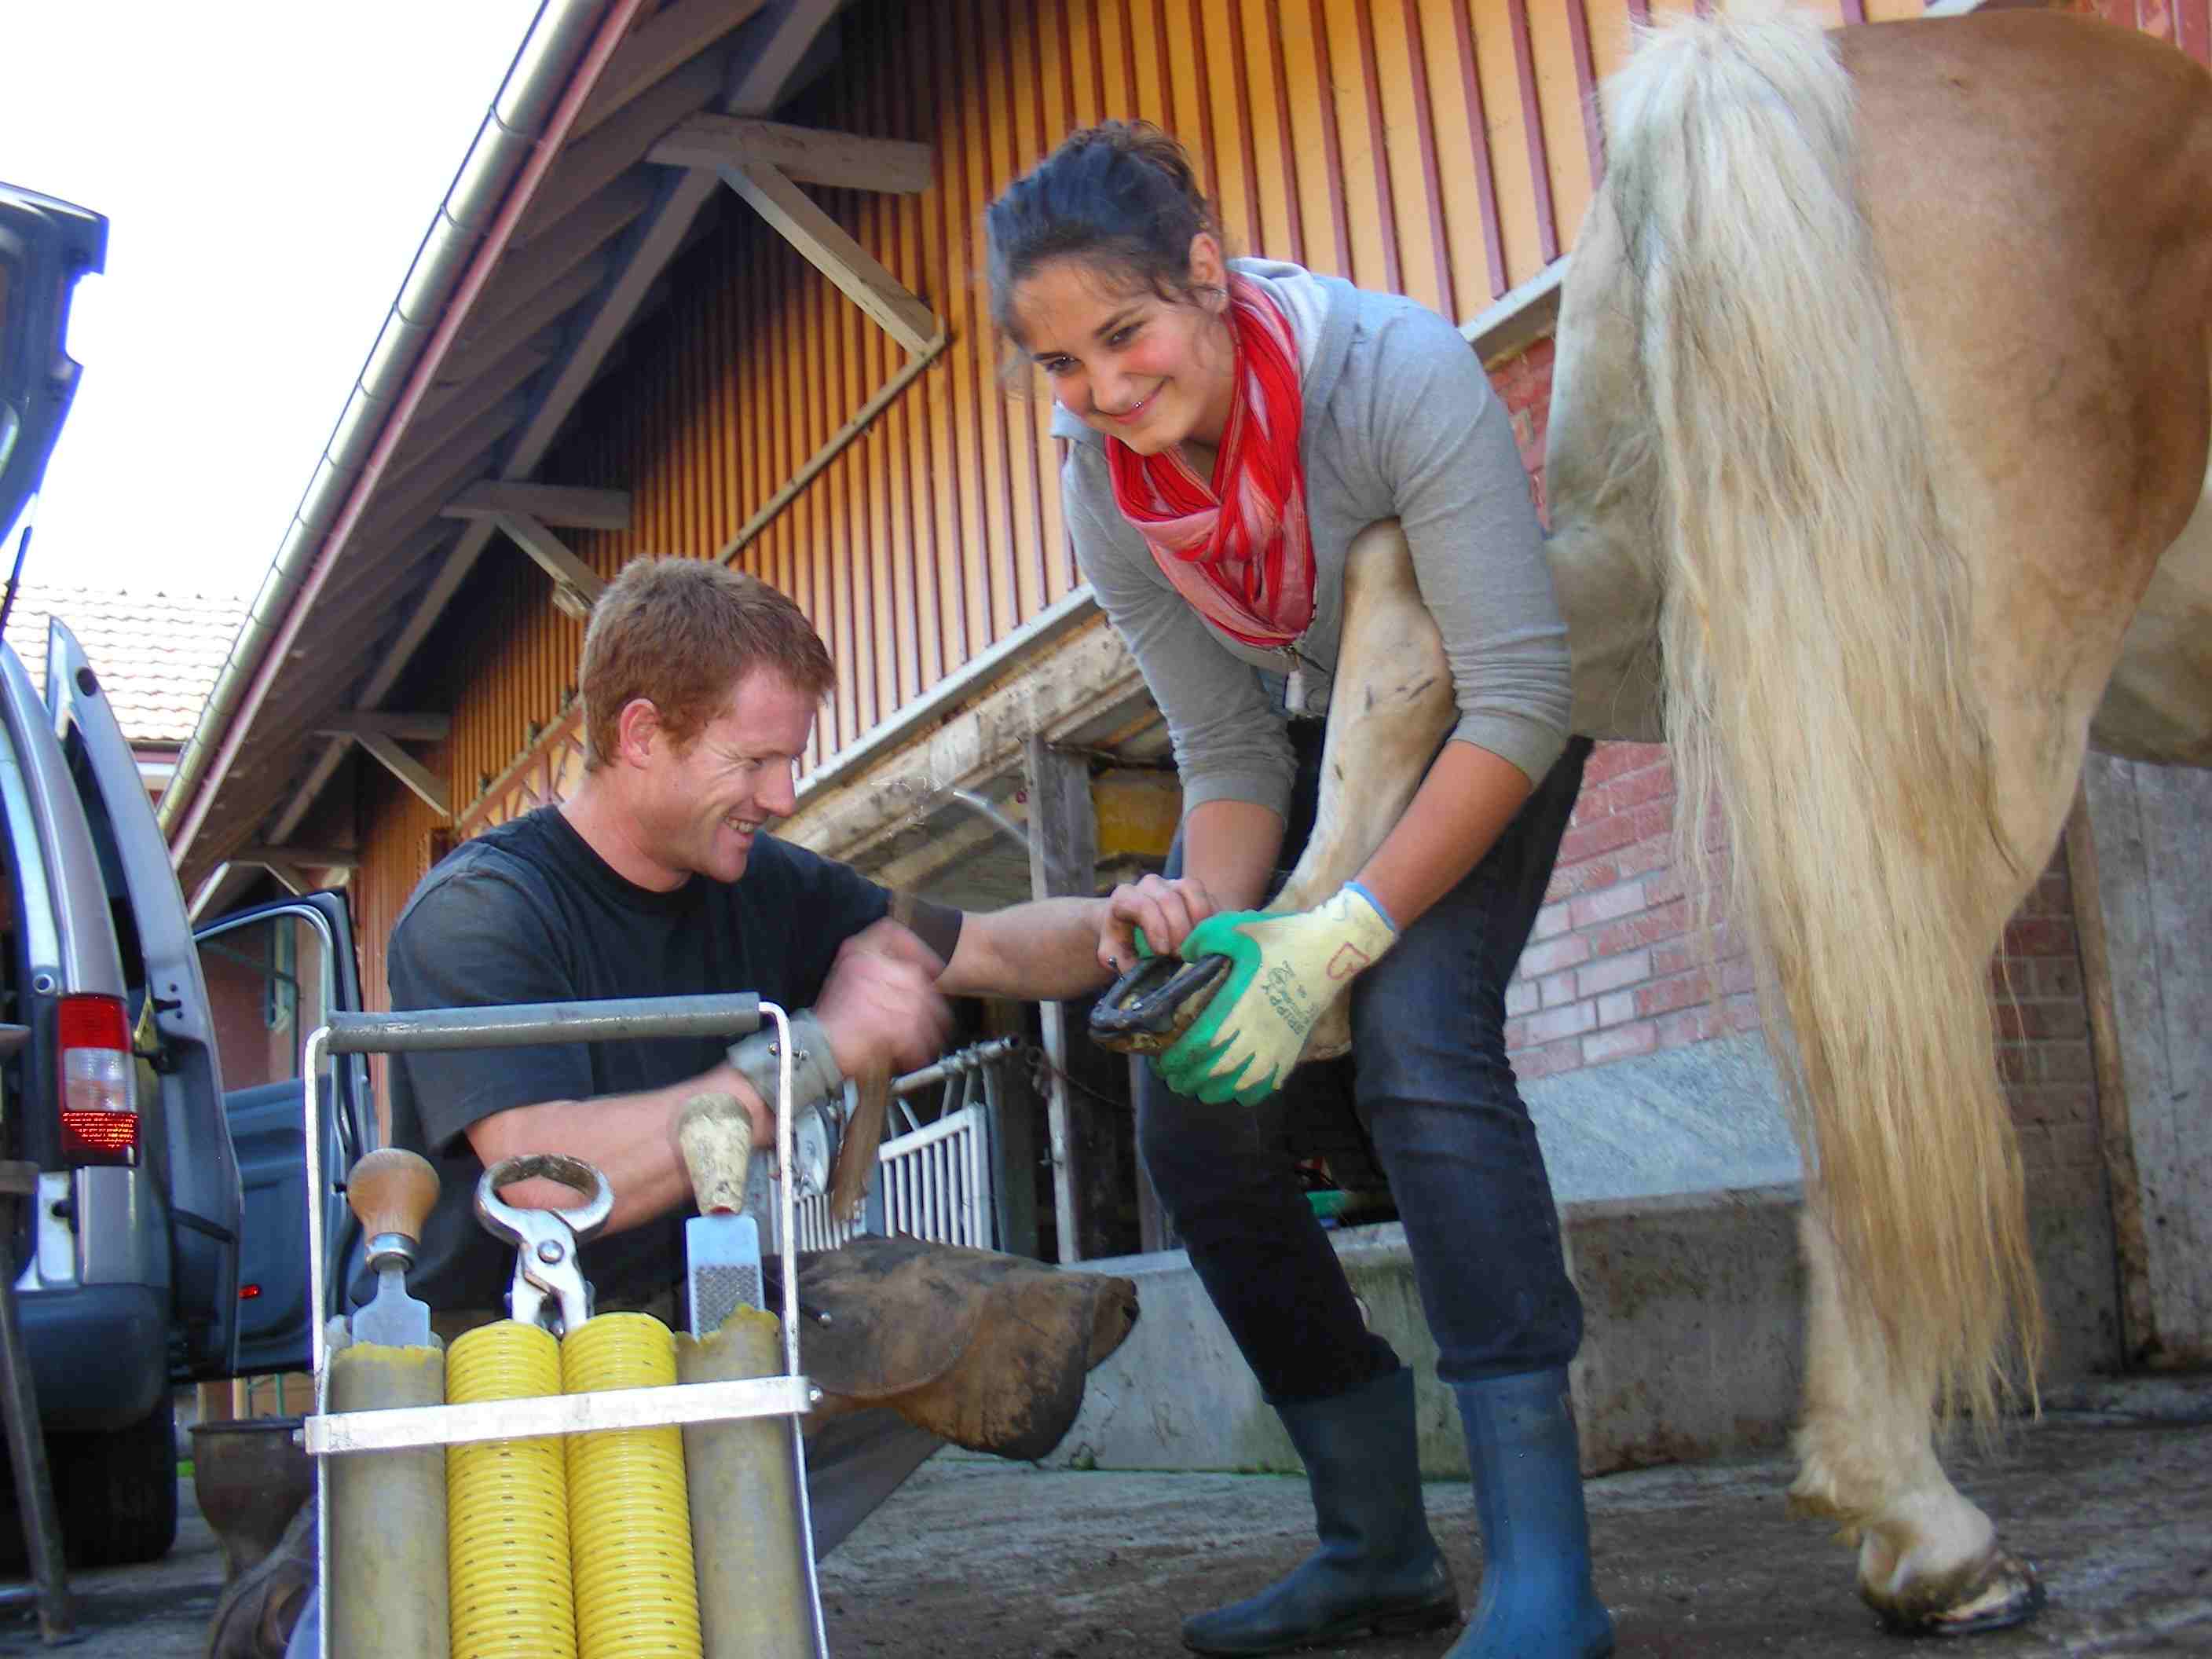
column 628, row 1514
column 507, row 1507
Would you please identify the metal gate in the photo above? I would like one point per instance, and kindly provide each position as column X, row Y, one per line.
column 932, row 1180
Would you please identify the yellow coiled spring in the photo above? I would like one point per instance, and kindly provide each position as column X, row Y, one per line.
column 629, row 1516
column 506, row 1504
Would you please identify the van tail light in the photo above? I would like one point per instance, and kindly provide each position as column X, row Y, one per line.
column 100, row 1116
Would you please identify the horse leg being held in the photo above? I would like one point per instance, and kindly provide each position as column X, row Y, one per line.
column 1928, row 1560
column 1390, row 707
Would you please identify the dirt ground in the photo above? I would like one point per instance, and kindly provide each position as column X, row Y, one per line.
column 999, row 1561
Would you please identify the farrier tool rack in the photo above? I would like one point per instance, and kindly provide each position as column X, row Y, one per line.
column 514, row 1025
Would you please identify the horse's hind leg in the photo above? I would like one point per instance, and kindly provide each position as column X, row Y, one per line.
column 1928, row 1560
column 1390, row 706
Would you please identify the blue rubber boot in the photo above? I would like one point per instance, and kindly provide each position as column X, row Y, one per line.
column 1377, row 1571
column 1537, row 1600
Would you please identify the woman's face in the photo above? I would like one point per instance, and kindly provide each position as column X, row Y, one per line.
column 1152, row 371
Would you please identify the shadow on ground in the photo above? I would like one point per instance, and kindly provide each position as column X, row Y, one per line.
column 986, row 1560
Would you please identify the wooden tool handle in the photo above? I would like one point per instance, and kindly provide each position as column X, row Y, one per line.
column 716, row 1136
column 391, row 1192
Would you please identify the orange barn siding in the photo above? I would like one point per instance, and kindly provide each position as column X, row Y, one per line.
column 938, row 533
column 1391, row 140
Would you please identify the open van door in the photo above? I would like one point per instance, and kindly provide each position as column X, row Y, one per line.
column 188, row 1147
column 274, row 973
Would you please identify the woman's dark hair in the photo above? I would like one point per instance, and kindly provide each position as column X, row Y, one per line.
column 1122, row 196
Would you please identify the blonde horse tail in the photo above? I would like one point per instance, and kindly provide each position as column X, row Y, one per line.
column 1818, row 697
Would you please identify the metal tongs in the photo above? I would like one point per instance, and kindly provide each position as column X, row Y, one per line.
column 550, row 1288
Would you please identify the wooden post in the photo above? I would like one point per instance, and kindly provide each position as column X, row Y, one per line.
column 1013, row 1135
column 1155, row 1227
column 2123, row 1184
column 1063, row 862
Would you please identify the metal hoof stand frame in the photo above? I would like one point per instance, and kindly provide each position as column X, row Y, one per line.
column 326, row 1435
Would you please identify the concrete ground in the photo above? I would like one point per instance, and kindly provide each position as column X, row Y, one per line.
column 998, row 1561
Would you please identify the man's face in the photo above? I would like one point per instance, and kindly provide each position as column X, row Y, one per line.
column 705, row 799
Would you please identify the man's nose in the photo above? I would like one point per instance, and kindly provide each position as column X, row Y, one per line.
column 779, row 793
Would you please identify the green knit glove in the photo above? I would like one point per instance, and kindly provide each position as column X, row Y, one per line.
column 1284, row 971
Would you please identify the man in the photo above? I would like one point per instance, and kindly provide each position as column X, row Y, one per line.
column 657, row 877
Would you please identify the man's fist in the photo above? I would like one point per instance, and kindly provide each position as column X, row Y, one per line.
column 881, row 1006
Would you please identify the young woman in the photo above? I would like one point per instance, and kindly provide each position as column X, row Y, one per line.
column 1235, row 425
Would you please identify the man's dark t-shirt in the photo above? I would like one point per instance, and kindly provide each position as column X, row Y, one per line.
column 529, row 912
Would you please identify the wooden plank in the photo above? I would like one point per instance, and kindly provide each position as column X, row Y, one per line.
column 843, row 160
column 1155, row 1228
column 2123, row 1180
column 409, row 770
column 309, row 858
column 1063, row 862
column 576, row 585
column 561, row 504
column 836, row 255
column 675, row 36
column 590, row 165
column 414, row 728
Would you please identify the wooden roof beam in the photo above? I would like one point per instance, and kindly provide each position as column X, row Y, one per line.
column 576, row 585
column 409, row 771
column 843, row 160
column 679, row 32
column 415, row 728
column 562, row 504
column 307, row 858
column 836, row 254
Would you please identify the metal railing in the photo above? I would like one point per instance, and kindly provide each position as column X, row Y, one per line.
column 933, row 1181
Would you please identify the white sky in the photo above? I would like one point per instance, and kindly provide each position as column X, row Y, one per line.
column 268, row 170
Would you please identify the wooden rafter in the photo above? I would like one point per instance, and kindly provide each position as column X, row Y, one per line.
column 409, row 770
column 843, row 160
column 836, row 254
column 386, row 723
column 561, row 504
column 576, row 585
column 305, row 858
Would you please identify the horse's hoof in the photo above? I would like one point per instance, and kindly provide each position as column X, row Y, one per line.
column 1149, row 1008
column 2003, row 1592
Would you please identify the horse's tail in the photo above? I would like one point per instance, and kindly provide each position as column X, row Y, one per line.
column 1818, row 696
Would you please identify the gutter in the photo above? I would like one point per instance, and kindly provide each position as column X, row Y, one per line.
column 569, row 45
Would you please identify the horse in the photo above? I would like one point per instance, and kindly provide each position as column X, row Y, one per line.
column 1878, row 486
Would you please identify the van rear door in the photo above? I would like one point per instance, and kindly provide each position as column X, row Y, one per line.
column 274, row 973
column 188, row 1142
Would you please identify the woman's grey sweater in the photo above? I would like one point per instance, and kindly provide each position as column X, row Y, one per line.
column 1399, row 420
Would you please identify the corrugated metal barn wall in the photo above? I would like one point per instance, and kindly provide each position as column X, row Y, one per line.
column 1442, row 148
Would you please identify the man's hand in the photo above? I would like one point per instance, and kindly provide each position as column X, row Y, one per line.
column 1285, row 970
column 880, row 1006
column 1165, row 910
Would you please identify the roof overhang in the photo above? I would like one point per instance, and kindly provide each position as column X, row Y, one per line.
column 617, row 123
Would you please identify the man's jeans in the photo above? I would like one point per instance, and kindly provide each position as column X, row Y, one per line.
column 1434, row 1089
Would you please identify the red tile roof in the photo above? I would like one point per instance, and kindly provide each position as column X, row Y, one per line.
column 157, row 653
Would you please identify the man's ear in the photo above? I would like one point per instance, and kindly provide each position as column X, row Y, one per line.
column 637, row 730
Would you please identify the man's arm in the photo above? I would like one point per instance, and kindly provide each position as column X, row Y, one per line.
column 878, row 1010
column 1038, row 952
column 1062, row 947
column 629, row 1139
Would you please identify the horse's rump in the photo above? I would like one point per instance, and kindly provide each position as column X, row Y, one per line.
column 1816, row 440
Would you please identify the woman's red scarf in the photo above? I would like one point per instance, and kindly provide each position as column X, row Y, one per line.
column 1236, row 547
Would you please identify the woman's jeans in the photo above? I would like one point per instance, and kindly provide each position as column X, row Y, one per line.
column 1434, row 1089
